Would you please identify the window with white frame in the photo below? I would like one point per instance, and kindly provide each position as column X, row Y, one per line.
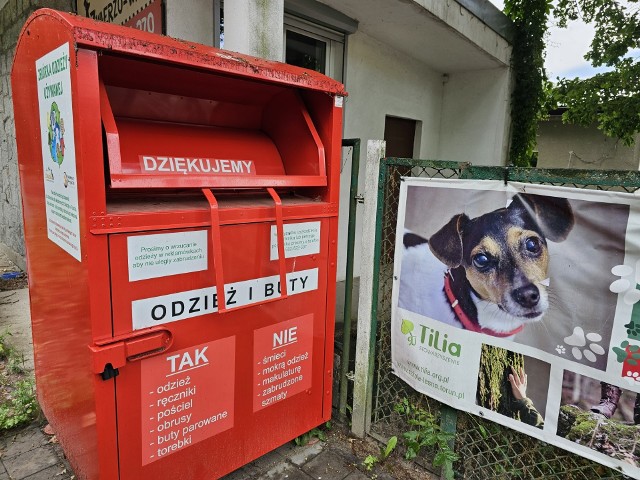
column 313, row 46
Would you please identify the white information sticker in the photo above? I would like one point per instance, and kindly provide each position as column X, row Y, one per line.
column 148, row 312
column 165, row 254
column 58, row 150
column 299, row 239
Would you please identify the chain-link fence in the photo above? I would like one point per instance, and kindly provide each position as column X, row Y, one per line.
column 485, row 449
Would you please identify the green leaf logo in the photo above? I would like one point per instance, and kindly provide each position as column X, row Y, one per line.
column 406, row 327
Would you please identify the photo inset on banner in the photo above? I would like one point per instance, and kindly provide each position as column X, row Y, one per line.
column 601, row 416
column 512, row 384
column 532, row 268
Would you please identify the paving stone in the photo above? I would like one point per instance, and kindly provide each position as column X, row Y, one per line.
column 28, row 463
column 243, row 473
column 3, row 473
column 269, row 460
column 301, row 455
column 356, row 475
column 284, row 471
column 385, row 476
column 328, row 465
column 25, row 440
column 57, row 472
column 287, row 449
column 345, row 451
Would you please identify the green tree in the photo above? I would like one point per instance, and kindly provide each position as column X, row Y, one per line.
column 611, row 99
column 528, row 98
column 494, row 391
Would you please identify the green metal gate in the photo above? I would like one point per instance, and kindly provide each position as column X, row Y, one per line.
column 485, row 449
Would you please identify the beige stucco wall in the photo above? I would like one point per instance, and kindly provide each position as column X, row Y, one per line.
column 571, row 146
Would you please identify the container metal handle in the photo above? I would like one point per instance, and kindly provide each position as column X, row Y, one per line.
column 217, row 249
column 280, row 241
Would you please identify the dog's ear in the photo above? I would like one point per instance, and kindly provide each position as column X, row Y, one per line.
column 446, row 243
column 410, row 239
column 553, row 215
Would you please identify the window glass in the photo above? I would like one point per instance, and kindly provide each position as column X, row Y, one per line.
column 306, row 52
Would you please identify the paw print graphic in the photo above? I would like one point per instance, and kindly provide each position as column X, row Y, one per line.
column 629, row 355
column 633, row 329
column 626, row 285
column 631, row 377
column 578, row 340
column 561, row 350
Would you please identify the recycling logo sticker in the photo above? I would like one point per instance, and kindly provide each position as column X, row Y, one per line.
column 55, row 134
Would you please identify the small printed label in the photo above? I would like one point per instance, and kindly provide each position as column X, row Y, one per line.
column 187, row 397
column 161, row 255
column 194, row 303
column 282, row 357
column 339, row 101
column 195, row 166
column 299, row 239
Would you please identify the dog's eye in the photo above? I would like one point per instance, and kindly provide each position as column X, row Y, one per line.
column 481, row 261
column 532, row 244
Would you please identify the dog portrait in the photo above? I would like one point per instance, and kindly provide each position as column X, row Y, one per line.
column 510, row 265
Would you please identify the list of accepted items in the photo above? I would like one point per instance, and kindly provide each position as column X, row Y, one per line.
column 187, row 396
column 282, row 361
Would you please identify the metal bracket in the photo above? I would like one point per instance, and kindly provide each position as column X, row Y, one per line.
column 359, row 198
column 111, row 355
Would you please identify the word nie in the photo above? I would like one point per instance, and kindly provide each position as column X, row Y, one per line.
column 285, row 337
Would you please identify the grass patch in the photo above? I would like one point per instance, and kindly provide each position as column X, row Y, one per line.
column 18, row 404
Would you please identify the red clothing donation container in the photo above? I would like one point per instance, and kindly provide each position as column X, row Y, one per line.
column 180, row 208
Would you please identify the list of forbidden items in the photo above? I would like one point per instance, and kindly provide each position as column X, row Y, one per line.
column 187, row 396
column 282, row 361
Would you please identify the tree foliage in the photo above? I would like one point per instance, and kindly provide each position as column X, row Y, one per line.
column 611, row 99
column 528, row 97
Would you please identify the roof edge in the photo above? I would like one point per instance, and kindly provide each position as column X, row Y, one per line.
column 491, row 16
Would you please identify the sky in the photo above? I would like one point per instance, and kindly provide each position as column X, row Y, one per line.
column 566, row 48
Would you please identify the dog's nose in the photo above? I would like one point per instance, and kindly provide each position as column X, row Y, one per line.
column 527, row 296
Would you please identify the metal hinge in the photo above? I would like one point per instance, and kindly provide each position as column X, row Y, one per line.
column 110, row 356
column 359, row 198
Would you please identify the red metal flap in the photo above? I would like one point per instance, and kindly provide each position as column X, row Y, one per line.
column 268, row 141
column 151, row 148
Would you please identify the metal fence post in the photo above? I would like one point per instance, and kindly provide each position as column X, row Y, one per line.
column 348, row 285
column 448, row 423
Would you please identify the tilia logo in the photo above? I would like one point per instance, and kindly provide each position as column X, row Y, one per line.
column 430, row 337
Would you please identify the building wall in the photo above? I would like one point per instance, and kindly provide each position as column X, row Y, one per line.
column 194, row 24
column 13, row 14
column 254, row 27
column 572, row 146
column 475, row 117
column 382, row 81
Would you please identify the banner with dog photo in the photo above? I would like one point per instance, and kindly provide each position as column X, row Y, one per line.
column 521, row 303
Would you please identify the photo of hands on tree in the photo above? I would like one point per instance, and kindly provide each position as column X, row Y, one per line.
column 513, row 384
column 600, row 416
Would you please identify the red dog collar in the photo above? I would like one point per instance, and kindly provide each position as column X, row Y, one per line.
column 465, row 320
